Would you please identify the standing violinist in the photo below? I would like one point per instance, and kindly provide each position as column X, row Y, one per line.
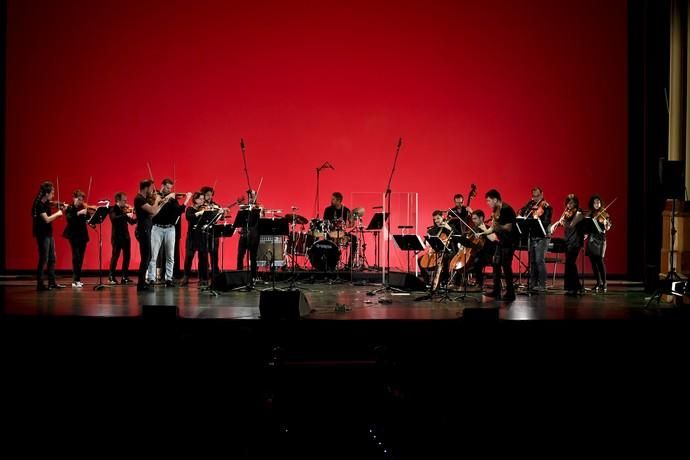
column 163, row 231
column 212, row 244
column 596, row 243
column 574, row 239
column 249, row 235
column 77, row 234
column 503, row 222
column 121, row 218
column 486, row 249
column 195, row 242
column 43, row 217
column 538, row 208
column 147, row 204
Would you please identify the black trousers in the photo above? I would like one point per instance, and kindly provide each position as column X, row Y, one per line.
column 503, row 267
column 599, row 268
column 124, row 247
column 46, row 258
column 481, row 260
column 248, row 242
column 144, row 239
column 78, row 250
column 213, row 252
column 196, row 247
column 176, row 262
column 572, row 276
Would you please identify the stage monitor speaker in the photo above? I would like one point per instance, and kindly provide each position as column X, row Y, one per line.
column 672, row 178
column 226, row 281
column 403, row 280
column 283, row 304
column 480, row 313
column 160, row 312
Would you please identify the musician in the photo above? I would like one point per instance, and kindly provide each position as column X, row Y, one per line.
column 484, row 255
column 77, row 234
column 43, row 218
column 538, row 208
column 596, row 243
column 249, row 234
column 439, row 226
column 195, row 242
column 163, row 231
column 147, row 204
column 212, row 245
column 574, row 240
column 503, row 226
column 338, row 211
column 120, row 218
column 459, row 210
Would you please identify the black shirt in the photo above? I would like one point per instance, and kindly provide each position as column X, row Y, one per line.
column 193, row 232
column 143, row 217
column 331, row 213
column 169, row 213
column 574, row 238
column 120, row 222
column 75, row 229
column 506, row 215
column 40, row 227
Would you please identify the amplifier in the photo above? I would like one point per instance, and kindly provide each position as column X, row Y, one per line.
column 267, row 244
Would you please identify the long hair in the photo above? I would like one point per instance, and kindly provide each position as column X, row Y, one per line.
column 593, row 198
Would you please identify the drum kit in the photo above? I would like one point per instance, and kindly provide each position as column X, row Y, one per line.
column 322, row 243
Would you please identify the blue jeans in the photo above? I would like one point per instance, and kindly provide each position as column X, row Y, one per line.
column 158, row 236
column 537, row 257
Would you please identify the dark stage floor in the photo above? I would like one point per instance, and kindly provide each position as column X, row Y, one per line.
column 343, row 301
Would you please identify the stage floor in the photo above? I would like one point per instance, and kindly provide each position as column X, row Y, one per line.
column 343, row 301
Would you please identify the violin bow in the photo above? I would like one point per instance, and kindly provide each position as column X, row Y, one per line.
column 88, row 193
column 57, row 184
column 464, row 223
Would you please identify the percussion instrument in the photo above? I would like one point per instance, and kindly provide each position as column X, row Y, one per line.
column 324, row 255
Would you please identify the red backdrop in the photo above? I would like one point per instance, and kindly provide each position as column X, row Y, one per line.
column 504, row 94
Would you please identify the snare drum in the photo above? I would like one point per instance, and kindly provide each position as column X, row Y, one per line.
column 300, row 244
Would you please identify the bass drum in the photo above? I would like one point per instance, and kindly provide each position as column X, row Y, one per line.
column 324, row 255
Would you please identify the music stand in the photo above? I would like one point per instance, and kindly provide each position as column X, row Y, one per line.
column 376, row 224
column 409, row 243
column 532, row 228
column 223, row 230
column 207, row 223
column 97, row 220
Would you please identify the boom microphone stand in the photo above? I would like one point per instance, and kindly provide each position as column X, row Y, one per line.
column 386, row 273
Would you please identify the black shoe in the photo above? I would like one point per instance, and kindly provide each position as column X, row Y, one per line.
column 56, row 286
column 112, row 280
column 125, row 281
column 169, row 283
column 571, row 293
column 144, row 287
column 604, row 289
column 184, row 282
column 42, row 287
column 509, row 297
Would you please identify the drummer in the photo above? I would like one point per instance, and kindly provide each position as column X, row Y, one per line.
column 338, row 212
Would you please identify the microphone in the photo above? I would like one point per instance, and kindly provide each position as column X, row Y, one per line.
column 400, row 142
column 242, row 143
column 294, row 208
column 328, row 165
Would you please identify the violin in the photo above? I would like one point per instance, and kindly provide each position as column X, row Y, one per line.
column 58, row 205
column 567, row 215
column 536, row 210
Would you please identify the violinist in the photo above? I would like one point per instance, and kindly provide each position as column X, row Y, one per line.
column 503, row 223
column 596, row 243
column 212, row 246
column 538, row 208
column 121, row 216
column 43, row 218
column 195, row 242
column 485, row 247
column 574, row 240
column 249, row 235
column 163, row 231
column 147, row 204
column 77, row 234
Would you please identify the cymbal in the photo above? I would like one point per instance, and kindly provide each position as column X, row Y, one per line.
column 299, row 220
column 358, row 212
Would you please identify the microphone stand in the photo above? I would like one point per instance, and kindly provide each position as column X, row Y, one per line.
column 386, row 273
column 464, row 294
column 318, row 181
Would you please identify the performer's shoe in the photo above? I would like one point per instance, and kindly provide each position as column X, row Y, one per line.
column 56, row 286
column 42, row 287
column 509, row 296
column 493, row 295
column 125, row 281
column 112, row 280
